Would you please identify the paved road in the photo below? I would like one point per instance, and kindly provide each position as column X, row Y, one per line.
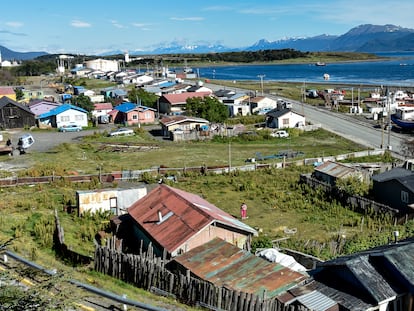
column 352, row 128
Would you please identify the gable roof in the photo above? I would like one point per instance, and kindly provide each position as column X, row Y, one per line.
column 59, row 110
column 4, row 101
column 102, row 106
column 182, row 97
column 128, row 106
column 395, row 173
column 335, row 169
column 184, row 215
column 225, row 264
column 6, row 90
column 277, row 113
column 379, row 274
column 171, row 120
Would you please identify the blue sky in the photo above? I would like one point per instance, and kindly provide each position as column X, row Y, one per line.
column 97, row 26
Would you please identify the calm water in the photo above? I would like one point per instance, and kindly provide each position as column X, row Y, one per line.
column 399, row 71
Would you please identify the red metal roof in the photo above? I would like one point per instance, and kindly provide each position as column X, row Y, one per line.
column 185, row 214
column 103, row 106
column 224, row 264
column 182, row 98
column 6, row 90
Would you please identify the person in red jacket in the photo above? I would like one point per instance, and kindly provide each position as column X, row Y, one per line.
column 243, row 211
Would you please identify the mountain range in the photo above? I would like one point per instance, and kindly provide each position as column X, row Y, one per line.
column 363, row 38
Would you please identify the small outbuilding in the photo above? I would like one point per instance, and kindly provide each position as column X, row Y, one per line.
column 14, row 114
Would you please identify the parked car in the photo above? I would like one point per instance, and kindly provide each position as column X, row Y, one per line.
column 70, row 128
column 281, row 133
column 122, row 132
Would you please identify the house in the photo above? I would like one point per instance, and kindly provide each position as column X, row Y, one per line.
column 14, row 114
column 29, row 95
column 101, row 109
column 132, row 114
column 63, row 115
column 186, row 124
column 7, row 91
column 114, row 200
column 226, row 265
column 175, row 222
column 381, row 278
column 175, row 103
column 284, row 118
column 238, row 105
column 39, row 107
column 261, row 104
column 395, row 188
column 329, row 172
column 199, row 88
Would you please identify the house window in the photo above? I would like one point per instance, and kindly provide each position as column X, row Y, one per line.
column 113, row 204
column 64, row 118
column 404, row 196
column 147, row 115
column 285, row 122
column 134, row 117
column 79, row 117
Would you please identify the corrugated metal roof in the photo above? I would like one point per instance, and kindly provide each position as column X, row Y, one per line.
column 224, row 264
column 171, row 120
column 102, row 106
column 4, row 101
column 335, row 169
column 182, row 97
column 191, row 214
column 60, row 109
column 316, row 301
column 6, row 90
column 397, row 172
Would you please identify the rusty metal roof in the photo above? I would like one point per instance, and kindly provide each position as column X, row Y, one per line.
column 224, row 264
column 183, row 215
column 335, row 169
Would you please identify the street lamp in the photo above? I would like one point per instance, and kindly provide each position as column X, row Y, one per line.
column 261, row 81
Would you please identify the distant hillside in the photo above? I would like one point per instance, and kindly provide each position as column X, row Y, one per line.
column 7, row 54
column 364, row 38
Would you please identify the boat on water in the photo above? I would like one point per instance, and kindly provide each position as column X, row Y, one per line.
column 320, row 64
column 404, row 117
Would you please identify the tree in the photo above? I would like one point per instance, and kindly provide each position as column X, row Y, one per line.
column 208, row 108
column 19, row 93
column 140, row 96
column 84, row 102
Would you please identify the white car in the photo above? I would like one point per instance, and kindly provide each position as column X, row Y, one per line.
column 281, row 133
column 122, row 132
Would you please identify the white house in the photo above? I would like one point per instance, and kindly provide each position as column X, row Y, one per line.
column 101, row 109
column 63, row 115
column 114, row 200
column 237, row 105
column 284, row 118
column 260, row 104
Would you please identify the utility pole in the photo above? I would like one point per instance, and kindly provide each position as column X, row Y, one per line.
column 261, row 81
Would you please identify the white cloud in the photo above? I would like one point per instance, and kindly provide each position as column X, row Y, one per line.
column 116, row 24
column 195, row 18
column 142, row 26
column 14, row 24
column 80, row 24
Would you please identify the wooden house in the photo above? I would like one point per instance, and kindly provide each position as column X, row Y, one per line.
column 381, row 278
column 7, row 91
column 175, row 104
column 63, row 115
column 132, row 114
column 284, row 118
column 224, row 264
column 14, row 114
column 395, row 188
column 329, row 172
column 175, row 222
column 184, row 124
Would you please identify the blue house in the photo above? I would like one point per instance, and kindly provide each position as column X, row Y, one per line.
column 62, row 116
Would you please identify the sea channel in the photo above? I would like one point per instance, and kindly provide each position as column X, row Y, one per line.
column 397, row 71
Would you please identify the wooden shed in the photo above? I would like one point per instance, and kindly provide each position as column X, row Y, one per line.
column 15, row 115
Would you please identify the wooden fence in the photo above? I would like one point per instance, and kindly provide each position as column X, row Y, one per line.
column 150, row 273
column 355, row 202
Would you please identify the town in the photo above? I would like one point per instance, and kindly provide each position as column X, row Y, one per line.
column 177, row 244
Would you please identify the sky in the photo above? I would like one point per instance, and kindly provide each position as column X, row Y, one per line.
column 99, row 26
